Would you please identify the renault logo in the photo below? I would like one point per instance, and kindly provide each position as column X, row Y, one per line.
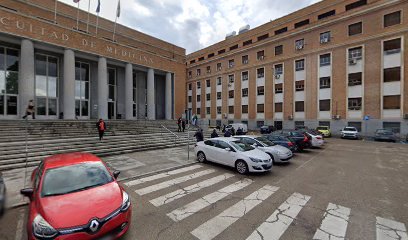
column 93, row 226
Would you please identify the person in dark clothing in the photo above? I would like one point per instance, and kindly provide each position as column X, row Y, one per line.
column 227, row 133
column 214, row 134
column 239, row 132
column 199, row 135
column 30, row 109
column 101, row 125
column 223, row 128
column 183, row 124
column 179, row 124
column 233, row 131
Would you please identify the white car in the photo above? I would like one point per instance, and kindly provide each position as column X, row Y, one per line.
column 349, row 132
column 234, row 153
column 277, row 153
column 316, row 139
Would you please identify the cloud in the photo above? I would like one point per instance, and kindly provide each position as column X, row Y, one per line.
column 194, row 24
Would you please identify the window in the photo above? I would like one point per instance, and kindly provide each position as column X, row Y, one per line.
column 211, row 55
column 280, row 31
column 245, row 92
column 278, row 107
column 260, row 55
column 355, row 79
column 324, row 123
column 198, row 110
column 357, row 125
column 198, row 72
column 192, row 61
column 261, row 90
column 208, row 69
column 208, row 83
column 244, row 109
column 231, row 63
column 355, row 53
column 231, row 78
column 278, row 50
column 392, row 19
column 302, row 23
column 260, row 108
column 326, row 14
column 299, row 124
column 46, row 84
column 279, row 69
column 299, row 44
column 324, row 105
column 300, row 65
column 221, row 51
column 324, row 82
column 219, row 81
column 392, row 102
column 219, row 95
column 190, row 86
column 245, row 59
column 82, row 81
column 198, row 98
column 190, row 99
column 279, row 88
column 325, row 60
column 394, row 126
column 354, row 104
column 300, row 85
column 198, row 85
column 260, row 72
column 234, row 47
column 325, row 37
column 218, row 110
column 356, row 28
column 208, row 96
column 392, row 46
column 263, row 37
column 219, row 67
column 246, row 43
column 201, row 59
column 356, row 5
column 190, row 74
column 231, row 94
column 231, row 109
column 299, row 106
column 245, row 76
column 208, row 110
column 392, row 74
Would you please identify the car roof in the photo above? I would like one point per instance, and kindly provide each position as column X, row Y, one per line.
column 67, row 159
column 226, row 139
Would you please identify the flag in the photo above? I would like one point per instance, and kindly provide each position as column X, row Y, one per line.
column 76, row 1
column 98, row 8
column 118, row 10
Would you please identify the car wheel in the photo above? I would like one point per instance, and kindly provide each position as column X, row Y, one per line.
column 273, row 160
column 201, row 157
column 241, row 167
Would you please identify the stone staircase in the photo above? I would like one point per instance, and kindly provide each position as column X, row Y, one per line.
column 45, row 138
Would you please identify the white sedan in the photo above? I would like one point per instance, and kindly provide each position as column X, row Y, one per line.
column 234, row 153
column 277, row 153
column 316, row 138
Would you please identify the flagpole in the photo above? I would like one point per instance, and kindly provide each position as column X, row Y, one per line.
column 97, row 25
column 55, row 11
column 89, row 9
column 78, row 16
column 114, row 28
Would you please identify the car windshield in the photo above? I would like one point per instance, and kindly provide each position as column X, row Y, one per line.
column 74, row 178
column 350, row 129
column 384, row 132
column 322, row 128
column 265, row 141
column 240, row 146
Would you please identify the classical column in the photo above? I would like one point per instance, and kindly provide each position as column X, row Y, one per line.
column 69, row 84
column 151, row 105
column 26, row 81
column 102, row 89
column 168, row 97
column 129, row 91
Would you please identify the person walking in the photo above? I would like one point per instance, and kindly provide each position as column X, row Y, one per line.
column 214, row 134
column 199, row 135
column 183, row 124
column 101, row 125
column 30, row 110
column 179, row 124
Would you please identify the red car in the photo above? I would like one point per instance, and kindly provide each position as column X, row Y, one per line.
column 75, row 196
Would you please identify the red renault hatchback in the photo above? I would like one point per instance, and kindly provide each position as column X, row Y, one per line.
column 74, row 196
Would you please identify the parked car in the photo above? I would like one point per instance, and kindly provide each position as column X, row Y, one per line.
column 325, row 130
column 2, row 195
column 316, row 138
column 267, row 129
column 349, row 132
column 277, row 152
column 243, row 126
column 75, row 196
column 300, row 139
column 234, row 153
column 282, row 141
column 385, row 135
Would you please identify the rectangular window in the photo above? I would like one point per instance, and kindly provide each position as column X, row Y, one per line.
column 244, row 109
column 198, row 98
column 300, row 65
column 260, row 108
column 211, row 55
column 326, row 14
column 278, row 69
column 208, row 83
column 392, row 19
column 260, row 55
column 231, row 63
column 260, row 72
column 246, row 43
column 219, row 67
column 192, row 61
column 231, row 78
column 299, row 44
column 190, row 86
column 221, row 51
column 299, row 106
column 198, row 110
column 302, row 23
column 263, row 37
column 219, row 95
column 279, row 88
column 234, row 47
column 208, row 69
column 324, row 123
column 354, row 104
column 190, row 74
column 355, row 53
column 324, row 82
column 219, row 81
column 299, row 124
column 198, row 85
column 201, row 59
column 198, row 72
column 324, row 105
column 278, row 50
column 356, row 28
column 394, row 126
column 261, row 90
column 245, row 92
column 245, row 59
column 355, row 5
column 357, row 125
column 231, row 109
column 208, row 109
column 208, row 96
column 355, row 79
column 278, row 107
column 392, row 102
column 392, row 74
column 300, row 85
column 190, row 99
column 218, row 110
column 325, row 60
column 231, row 94
column 245, row 76
column 392, row 46
column 280, row 31
column 325, row 37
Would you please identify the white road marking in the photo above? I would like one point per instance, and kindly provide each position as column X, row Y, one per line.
column 390, row 230
column 280, row 220
column 218, row 224
column 188, row 190
column 203, row 202
column 334, row 223
column 172, row 182
column 20, row 225
column 161, row 175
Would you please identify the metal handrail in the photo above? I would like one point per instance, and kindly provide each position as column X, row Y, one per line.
column 168, row 130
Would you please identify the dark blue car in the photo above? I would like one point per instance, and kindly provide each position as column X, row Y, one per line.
column 282, row 141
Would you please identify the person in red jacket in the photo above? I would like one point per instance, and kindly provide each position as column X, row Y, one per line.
column 101, row 125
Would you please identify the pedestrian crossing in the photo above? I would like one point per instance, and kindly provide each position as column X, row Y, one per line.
column 334, row 221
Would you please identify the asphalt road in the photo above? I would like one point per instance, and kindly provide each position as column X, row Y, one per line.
column 347, row 190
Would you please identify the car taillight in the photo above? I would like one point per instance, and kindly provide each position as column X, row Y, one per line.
column 318, row 137
column 290, row 144
column 305, row 139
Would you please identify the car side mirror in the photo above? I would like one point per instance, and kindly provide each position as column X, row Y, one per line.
column 227, row 149
column 27, row 192
column 116, row 174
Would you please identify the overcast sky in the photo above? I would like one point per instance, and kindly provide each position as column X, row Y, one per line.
column 193, row 24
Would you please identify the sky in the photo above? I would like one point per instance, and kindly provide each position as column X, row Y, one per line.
column 193, row 24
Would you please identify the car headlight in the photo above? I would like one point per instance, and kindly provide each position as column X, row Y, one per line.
column 125, row 202
column 42, row 229
column 256, row 160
